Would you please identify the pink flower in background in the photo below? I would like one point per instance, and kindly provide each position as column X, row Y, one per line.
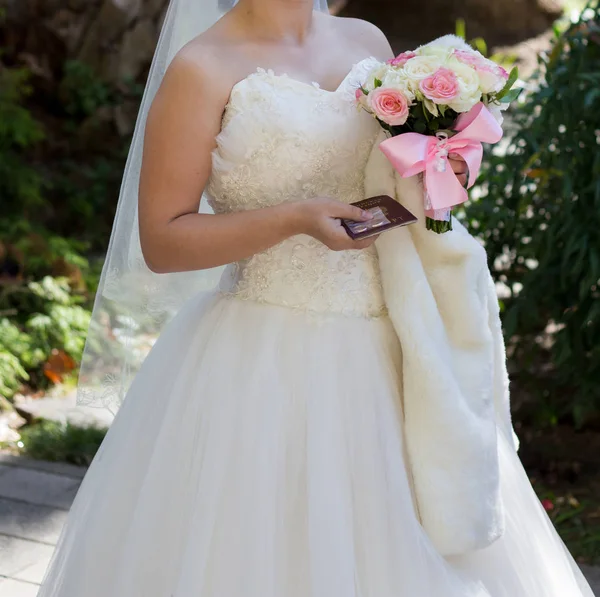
column 389, row 105
column 441, row 87
column 548, row 505
column 401, row 59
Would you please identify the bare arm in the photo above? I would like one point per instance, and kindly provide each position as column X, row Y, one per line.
column 183, row 123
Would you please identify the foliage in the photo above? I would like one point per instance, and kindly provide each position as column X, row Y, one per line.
column 20, row 183
column 12, row 372
column 45, row 335
column 576, row 520
column 49, row 440
column 82, row 93
column 539, row 214
column 57, row 190
column 40, row 316
column 60, row 169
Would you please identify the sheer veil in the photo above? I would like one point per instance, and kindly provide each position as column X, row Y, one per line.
column 132, row 303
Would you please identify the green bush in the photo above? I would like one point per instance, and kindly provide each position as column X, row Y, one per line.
column 20, row 183
column 57, row 192
column 48, row 440
column 45, row 335
column 539, row 216
column 82, row 93
column 61, row 169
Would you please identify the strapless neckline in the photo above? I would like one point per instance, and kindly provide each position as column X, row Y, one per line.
column 270, row 73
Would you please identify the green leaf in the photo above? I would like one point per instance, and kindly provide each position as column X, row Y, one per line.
column 511, row 96
column 420, row 126
column 590, row 97
column 512, row 79
column 385, row 126
column 461, row 29
column 480, row 44
column 589, row 77
column 377, row 82
column 556, row 30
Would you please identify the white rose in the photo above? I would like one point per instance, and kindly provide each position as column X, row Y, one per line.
column 448, row 42
column 421, row 67
column 490, row 80
column 397, row 79
column 468, row 82
column 490, row 77
column 380, row 72
column 440, row 52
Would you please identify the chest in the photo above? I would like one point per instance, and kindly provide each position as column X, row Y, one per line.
column 283, row 139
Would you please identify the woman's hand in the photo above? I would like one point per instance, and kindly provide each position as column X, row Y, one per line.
column 320, row 218
column 459, row 167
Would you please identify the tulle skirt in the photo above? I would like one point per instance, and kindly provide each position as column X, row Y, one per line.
column 259, row 453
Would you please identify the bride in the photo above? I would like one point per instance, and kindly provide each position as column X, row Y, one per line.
column 261, row 450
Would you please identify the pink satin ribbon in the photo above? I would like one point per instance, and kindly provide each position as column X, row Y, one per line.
column 412, row 153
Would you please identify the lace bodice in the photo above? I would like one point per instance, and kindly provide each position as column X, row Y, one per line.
column 283, row 140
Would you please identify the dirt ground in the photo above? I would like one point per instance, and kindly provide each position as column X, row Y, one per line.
column 564, row 467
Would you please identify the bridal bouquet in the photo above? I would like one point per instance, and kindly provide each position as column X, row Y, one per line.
column 443, row 98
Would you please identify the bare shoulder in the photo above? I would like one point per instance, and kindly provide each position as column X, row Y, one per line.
column 365, row 34
column 191, row 98
column 199, row 67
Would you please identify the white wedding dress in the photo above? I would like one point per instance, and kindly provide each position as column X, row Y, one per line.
column 259, row 452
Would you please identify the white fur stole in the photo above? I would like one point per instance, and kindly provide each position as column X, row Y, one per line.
column 442, row 302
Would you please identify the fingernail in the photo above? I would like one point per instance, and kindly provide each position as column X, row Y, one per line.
column 367, row 214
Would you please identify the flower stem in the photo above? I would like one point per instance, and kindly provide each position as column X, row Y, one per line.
column 439, row 226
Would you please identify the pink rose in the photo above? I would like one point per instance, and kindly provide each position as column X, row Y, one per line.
column 441, row 87
column 468, row 57
column 389, row 105
column 401, row 59
column 503, row 72
column 491, row 77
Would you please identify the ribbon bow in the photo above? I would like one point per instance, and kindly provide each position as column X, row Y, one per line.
column 412, row 153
